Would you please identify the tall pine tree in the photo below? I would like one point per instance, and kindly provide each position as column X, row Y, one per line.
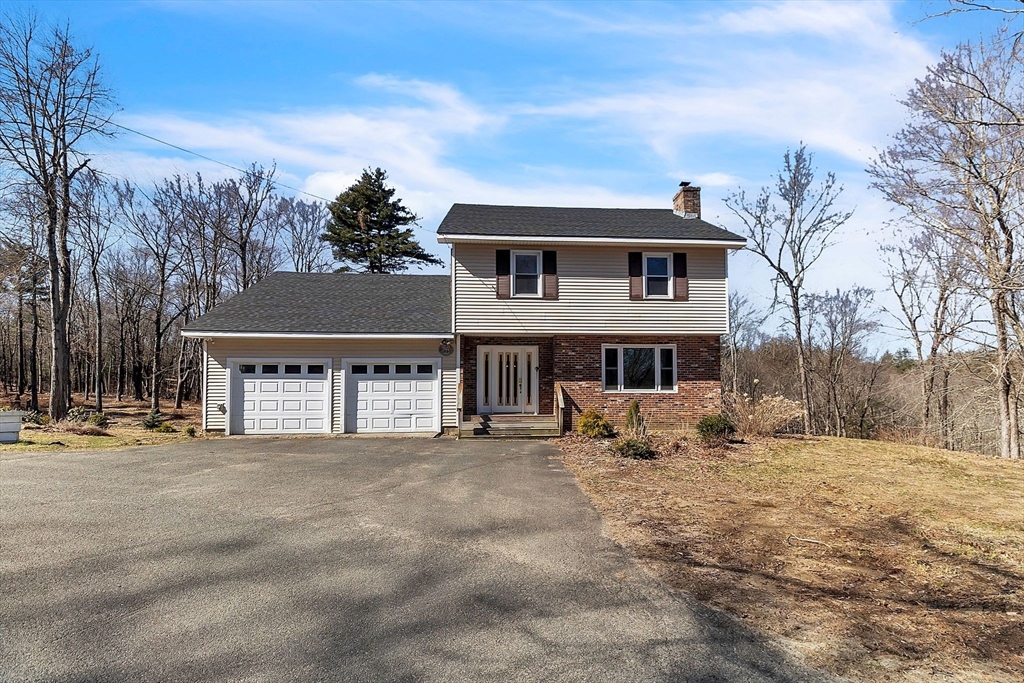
column 367, row 229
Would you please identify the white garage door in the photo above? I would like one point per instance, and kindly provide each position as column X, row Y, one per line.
column 392, row 396
column 280, row 397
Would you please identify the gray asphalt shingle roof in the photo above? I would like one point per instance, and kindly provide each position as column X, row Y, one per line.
column 336, row 303
column 543, row 221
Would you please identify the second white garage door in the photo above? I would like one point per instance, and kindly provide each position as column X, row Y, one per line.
column 392, row 396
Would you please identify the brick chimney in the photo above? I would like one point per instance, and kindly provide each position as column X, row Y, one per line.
column 686, row 203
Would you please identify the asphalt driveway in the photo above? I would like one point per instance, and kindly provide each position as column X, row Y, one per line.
column 335, row 559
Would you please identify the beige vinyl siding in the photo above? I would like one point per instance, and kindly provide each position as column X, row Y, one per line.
column 338, row 351
column 593, row 295
column 216, row 393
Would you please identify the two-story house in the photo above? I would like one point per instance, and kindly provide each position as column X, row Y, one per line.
column 547, row 311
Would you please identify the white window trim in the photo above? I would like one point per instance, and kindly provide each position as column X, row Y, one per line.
column 540, row 270
column 671, row 280
column 657, row 369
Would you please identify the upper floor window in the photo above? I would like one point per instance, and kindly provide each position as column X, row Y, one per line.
column 526, row 273
column 657, row 275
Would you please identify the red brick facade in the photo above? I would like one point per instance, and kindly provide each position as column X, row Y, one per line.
column 575, row 362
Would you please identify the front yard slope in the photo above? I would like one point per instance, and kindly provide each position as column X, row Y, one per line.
column 872, row 560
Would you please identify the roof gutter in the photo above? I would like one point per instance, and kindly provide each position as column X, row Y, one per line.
column 209, row 334
column 453, row 238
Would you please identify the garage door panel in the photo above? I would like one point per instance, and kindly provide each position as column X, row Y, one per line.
column 265, row 403
column 391, row 400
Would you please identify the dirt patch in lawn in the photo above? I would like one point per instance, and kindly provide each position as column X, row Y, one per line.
column 871, row 560
column 124, row 428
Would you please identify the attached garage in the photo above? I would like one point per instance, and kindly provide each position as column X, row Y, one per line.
column 392, row 395
column 280, row 396
column 301, row 353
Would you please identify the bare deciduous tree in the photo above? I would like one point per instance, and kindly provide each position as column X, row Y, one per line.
column 789, row 227
column 52, row 100
column 304, row 223
column 957, row 168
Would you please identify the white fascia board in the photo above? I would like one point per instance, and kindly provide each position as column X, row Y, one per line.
column 728, row 244
column 310, row 335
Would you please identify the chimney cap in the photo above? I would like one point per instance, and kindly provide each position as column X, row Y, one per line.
column 685, row 183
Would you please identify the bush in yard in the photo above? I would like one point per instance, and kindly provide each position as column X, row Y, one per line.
column 98, row 420
column 715, row 430
column 593, row 424
column 765, row 416
column 77, row 414
column 190, row 430
column 634, row 448
column 636, row 426
column 34, row 417
column 165, row 429
column 154, row 420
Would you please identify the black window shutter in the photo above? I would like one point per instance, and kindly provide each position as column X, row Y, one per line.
column 503, row 262
column 636, row 264
column 550, row 263
column 679, row 264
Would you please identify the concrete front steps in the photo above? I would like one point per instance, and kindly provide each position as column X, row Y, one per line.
column 510, row 427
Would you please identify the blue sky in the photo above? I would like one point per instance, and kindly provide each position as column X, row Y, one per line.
column 569, row 104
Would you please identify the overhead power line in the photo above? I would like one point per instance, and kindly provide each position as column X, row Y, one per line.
column 227, row 165
column 210, row 159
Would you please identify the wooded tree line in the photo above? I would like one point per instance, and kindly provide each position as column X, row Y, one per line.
column 954, row 261
column 143, row 262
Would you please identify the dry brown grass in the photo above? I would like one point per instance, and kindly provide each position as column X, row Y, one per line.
column 873, row 560
column 124, row 428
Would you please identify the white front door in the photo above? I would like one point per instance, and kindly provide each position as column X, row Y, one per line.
column 507, row 379
column 280, row 396
column 392, row 395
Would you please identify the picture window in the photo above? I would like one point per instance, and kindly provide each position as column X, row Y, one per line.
column 639, row 368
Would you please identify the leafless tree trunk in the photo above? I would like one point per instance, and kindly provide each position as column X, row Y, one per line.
column 156, row 222
column 94, row 218
column 51, row 102
column 791, row 236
